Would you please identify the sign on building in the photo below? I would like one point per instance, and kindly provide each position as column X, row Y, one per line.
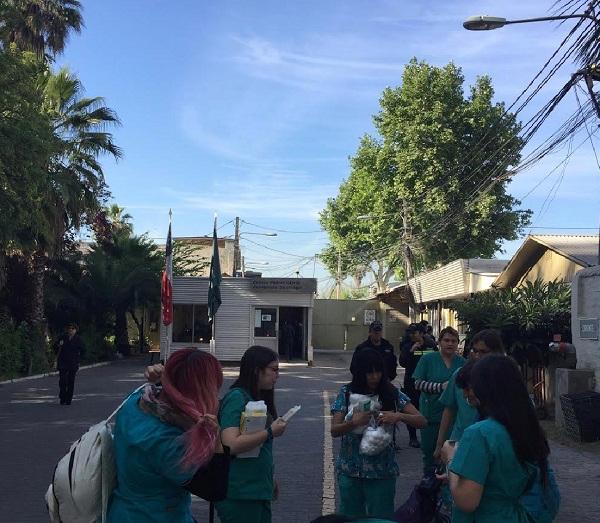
column 588, row 328
column 370, row 316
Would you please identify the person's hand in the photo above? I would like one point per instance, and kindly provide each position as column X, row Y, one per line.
column 444, row 385
column 437, row 453
column 360, row 419
column 275, row 490
column 154, row 372
column 447, row 451
column 278, row 427
column 415, row 346
column 388, row 417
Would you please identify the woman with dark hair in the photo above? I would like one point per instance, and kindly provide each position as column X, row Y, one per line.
column 251, row 484
column 367, row 483
column 458, row 413
column 498, row 457
column 167, row 443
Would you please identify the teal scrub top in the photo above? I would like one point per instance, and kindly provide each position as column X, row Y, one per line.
column 486, row 456
column 150, row 478
column 431, row 367
column 249, row 478
column 454, row 399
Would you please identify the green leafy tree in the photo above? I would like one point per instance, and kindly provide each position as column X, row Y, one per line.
column 433, row 183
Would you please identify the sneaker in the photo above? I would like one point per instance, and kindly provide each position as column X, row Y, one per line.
column 414, row 443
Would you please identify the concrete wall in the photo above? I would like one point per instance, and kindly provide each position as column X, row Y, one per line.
column 339, row 324
column 585, row 303
column 552, row 266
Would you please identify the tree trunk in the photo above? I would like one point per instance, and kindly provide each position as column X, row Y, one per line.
column 37, row 359
column 121, row 335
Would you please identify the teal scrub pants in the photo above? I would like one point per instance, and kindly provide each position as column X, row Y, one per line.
column 366, row 497
column 244, row 511
column 428, row 442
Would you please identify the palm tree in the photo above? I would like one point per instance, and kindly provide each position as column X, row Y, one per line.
column 41, row 26
column 76, row 186
column 122, row 277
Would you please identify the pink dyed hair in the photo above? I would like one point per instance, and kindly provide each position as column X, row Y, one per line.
column 191, row 382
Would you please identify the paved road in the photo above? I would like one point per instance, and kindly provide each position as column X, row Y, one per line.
column 36, row 431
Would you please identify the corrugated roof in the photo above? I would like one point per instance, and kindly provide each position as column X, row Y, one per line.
column 580, row 248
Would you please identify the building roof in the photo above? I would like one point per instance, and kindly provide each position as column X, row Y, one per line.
column 580, row 249
column 455, row 279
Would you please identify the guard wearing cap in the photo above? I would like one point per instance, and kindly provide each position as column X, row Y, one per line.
column 380, row 344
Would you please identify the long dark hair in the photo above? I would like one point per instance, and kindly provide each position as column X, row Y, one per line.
column 370, row 360
column 255, row 359
column 497, row 382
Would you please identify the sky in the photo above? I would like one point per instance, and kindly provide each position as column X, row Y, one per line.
column 251, row 108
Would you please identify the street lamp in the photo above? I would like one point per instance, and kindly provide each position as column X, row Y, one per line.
column 487, row 23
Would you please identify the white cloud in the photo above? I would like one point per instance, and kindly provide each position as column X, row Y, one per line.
column 267, row 192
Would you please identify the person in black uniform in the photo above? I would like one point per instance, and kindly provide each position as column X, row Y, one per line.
column 415, row 343
column 380, row 344
column 69, row 349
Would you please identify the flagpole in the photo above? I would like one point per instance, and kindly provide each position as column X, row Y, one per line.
column 212, row 345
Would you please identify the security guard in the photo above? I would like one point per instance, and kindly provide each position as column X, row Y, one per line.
column 380, row 344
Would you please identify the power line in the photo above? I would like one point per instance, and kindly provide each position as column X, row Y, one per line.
column 282, row 230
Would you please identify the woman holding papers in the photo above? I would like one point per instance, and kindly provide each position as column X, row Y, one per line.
column 251, row 485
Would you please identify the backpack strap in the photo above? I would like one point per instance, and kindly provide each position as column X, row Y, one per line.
column 114, row 413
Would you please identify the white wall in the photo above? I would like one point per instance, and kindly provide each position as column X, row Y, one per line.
column 585, row 303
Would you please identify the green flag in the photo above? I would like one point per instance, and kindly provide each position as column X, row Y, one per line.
column 214, row 283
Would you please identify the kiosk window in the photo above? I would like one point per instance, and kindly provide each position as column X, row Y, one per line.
column 265, row 321
column 190, row 324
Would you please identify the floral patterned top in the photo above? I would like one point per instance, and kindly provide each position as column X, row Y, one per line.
column 350, row 461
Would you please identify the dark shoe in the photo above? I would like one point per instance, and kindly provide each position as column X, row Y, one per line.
column 414, row 443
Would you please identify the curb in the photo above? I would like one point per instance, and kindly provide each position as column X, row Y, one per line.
column 54, row 373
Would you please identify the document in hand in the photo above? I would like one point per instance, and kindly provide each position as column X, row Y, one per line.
column 288, row 415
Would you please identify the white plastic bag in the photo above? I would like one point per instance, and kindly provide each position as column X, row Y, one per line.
column 361, row 403
column 375, row 440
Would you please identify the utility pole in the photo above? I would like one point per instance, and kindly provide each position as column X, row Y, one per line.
column 236, row 249
column 406, row 236
column 339, row 276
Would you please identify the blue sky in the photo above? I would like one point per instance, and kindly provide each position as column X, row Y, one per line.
column 251, row 108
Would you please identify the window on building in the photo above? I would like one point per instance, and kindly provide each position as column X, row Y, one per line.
column 190, row 323
column 265, row 321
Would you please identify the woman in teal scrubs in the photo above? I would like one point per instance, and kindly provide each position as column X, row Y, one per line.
column 496, row 459
column 167, row 443
column 367, row 483
column 431, row 376
column 457, row 410
column 251, row 485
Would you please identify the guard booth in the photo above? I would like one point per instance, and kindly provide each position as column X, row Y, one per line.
column 254, row 311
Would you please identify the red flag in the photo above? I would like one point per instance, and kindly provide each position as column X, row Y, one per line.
column 166, row 294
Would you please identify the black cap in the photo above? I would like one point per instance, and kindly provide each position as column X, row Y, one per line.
column 376, row 326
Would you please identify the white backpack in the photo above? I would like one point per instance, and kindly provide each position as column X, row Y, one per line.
column 85, row 477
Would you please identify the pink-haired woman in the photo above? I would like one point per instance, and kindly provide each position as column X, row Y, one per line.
column 167, row 444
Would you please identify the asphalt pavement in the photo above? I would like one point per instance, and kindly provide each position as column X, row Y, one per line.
column 36, row 431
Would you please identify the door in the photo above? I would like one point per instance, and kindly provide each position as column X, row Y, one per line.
column 292, row 333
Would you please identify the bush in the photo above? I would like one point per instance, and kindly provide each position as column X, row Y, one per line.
column 13, row 349
column 526, row 316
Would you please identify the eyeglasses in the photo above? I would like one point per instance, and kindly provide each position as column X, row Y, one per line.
column 480, row 351
column 274, row 369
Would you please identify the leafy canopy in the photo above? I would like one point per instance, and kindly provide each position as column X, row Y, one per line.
column 434, row 178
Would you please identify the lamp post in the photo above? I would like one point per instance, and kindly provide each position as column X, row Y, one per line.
column 487, row 23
